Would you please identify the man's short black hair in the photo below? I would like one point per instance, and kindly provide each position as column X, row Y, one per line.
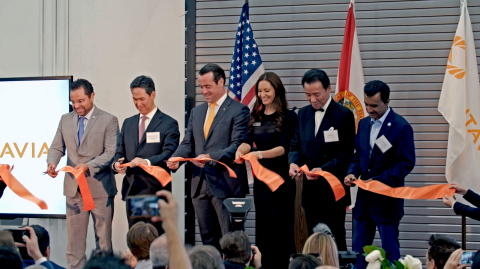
column 43, row 238
column 10, row 259
column 143, row 82
column 376, row 86
column 236, row 247
column 105, row 260
column 314, row 75
column 441, row 247
column 83, row 83
column 217, row 71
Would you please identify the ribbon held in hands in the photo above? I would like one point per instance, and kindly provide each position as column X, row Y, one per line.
column 18, row 188
column 157, row 172
column 180, row 159
column 332, row 180
column 429, row 192
column 88, row 203
column 271, row 179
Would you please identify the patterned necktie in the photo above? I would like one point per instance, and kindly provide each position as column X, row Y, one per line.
column 141, row 129
column 209, row 120
column 81, row 129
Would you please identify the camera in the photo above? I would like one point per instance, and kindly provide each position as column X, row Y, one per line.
column 143, row 206
column 237, row 210
column 347, row 259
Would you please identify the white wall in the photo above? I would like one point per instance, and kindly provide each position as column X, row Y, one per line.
column 108, row 42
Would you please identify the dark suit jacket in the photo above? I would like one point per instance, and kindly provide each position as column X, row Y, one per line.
column 471, row 212
column 227, row 132
column 2, row 187
column 333, row 157
column 390, row 167
column 136, row 180
column 47, row 264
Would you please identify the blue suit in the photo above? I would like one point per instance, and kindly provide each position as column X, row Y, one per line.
column 471, row 212
column 374, row 210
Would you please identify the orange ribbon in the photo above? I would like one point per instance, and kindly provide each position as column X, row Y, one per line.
column 18, row 188
column 271, row 179
column 429, row 192
column 180, row 159
column 88, row 203
column 332, row 180
column 157, row 172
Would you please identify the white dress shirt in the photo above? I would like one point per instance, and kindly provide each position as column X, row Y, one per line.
column 375, row 129
column 320, row 114
column 218, row 104
column 85, row 121
column 148, row 119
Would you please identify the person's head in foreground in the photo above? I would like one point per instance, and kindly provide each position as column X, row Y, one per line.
column 440, row 248
column 9, row 258
column 236, row 247
column 139, row 238
column 105, row 260
column 159, row 253
column 304, row 261
column 206, row 257
column 322, row 243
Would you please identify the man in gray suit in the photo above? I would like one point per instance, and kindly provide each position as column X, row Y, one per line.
column 89, row 135
column 215, row 130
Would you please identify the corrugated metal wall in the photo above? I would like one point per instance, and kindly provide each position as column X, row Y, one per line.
column 403, row 43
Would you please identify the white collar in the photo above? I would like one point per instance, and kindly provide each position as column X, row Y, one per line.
column 382, row 119
column 151, row 113
column 220, row 101
column 89, row 114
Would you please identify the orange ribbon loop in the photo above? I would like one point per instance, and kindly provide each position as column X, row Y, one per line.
column 88, row 203
column 429, row 192
column 18, row 188
column 332, row 180
column 271, row 179
column 180, row 159
column 157, row 172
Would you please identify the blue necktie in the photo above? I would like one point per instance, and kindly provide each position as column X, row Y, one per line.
column 81, row 129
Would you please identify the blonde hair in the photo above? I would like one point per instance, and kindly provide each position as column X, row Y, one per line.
column 325, row 245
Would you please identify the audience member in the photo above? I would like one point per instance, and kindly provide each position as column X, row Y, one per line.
column 6, row 240
column 305, row 261
column 453, row 261
column 159, row 253
column 139, row 238
column 323, row 243
column 439, row 251
column 238, row 252
column 177, row 255
column 476, row 260
column 9, row 258
column 462, row 209
column 105, row 260
column 43, row 245
column 206, row 257
column 36, row 266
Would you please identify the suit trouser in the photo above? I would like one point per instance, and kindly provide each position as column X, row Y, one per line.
column 334, row 217
column 77, row 227
column 364, row 233
column 212, row 216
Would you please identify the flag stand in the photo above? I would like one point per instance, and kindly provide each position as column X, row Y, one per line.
column 464, row 232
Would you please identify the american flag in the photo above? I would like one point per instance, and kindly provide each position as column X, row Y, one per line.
column 246, row 65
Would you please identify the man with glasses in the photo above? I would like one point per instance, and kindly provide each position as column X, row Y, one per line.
column 90, row 136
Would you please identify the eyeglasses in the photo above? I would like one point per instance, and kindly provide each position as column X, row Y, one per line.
column 80, row 102
column 316, row 255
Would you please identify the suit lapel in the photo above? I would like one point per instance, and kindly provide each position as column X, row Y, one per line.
column 386, row 127
column 135, row 122
column 221, row 111
column 154, row 122
column 202, row 111
column 90, row 123
column 75, row 127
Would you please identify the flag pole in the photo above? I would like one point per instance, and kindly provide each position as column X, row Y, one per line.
column 464, row 232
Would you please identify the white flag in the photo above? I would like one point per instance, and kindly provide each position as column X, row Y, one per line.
column 460, row 105
column 350, row 81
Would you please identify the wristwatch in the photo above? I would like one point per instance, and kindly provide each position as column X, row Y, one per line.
column 260, row 156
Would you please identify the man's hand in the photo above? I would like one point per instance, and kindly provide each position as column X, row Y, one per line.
column 82, row 166
column 137, row 161
column 257, row 260
column 295, row 171
column 454, row 260
column 349, row 179
column 32, row 244
column 51, row 170
column 168, row 210
column 120, row 170
column 448, row 201
column 201, row 164
column 314, row 177
column 238, row 154
column 458, row 188
column 172, row 165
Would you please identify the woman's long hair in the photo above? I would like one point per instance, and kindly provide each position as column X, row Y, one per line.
column 279, row 102
column 324, row 244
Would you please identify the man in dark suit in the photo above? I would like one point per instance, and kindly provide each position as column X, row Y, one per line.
column 148, row 138
column 463, row 209
column 384, row 151
column 215, row 130
column 43, row 239
column 324, row 140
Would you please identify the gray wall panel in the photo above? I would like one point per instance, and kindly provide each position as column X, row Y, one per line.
column 404, row 43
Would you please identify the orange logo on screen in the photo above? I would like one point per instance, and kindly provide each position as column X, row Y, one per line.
column 7, row 150
column 458, row 72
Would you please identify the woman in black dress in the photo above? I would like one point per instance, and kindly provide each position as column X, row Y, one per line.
column 271, row 127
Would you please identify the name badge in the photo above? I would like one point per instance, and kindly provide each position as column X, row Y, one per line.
column 257, row 124
column 331, row 135
column 153, row 137
column 383, row 144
